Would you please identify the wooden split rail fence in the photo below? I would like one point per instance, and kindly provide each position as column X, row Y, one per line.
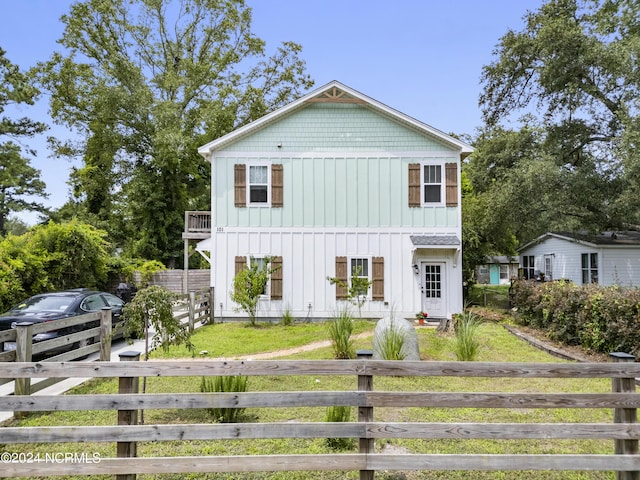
column 623, row 432
column 95, row 335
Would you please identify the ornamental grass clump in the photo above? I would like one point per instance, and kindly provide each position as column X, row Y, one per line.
column 466, row 342
column 340, row 330
column 235, row 383
column 389, row 344
column 338, row 414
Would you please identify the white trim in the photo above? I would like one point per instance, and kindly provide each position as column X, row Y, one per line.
column 368, row 258
column 423, row 183
column 248, row 166
column 431, row 154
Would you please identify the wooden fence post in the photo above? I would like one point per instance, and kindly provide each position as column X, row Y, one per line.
column 212, row 315
column 128, row 417
column 24, row 344
column 365, row 414
column 105, row 334
column 625, row 415
column 192, row 310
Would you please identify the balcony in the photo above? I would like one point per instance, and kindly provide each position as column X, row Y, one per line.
column 197, row 225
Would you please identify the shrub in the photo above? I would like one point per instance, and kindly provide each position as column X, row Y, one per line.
column 603, row 319
column 339, row 414
column 466, row 342
column 340, row 330
column 234, row 383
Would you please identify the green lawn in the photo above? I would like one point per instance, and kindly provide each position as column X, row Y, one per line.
column 236, row 339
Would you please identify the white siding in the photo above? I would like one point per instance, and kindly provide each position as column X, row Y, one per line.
column 620, row 266
column 616, row 265
column 308, row 258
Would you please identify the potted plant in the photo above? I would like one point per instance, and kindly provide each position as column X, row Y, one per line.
column 421, row 316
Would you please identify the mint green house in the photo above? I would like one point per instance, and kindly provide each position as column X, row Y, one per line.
column 336, row 184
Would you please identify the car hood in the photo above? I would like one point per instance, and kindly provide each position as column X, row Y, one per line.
column 8, row 318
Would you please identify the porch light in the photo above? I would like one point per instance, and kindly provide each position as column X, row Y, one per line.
column 416, row 269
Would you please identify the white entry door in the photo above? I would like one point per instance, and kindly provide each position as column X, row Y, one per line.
column 433, row 294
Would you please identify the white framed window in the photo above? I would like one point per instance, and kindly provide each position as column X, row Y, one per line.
column 359, row 267
column 504, row 272
column 589, row 268
column 432, row 184
column 259, row 184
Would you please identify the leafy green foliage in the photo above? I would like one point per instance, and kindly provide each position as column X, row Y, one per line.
column 357, row 289
column 602, row 319
column 76, row 253
column 231, row 383
column 467, row 343
column 152, row 310
column 340, row 329
column 18, row 180
column 145, row 84
column 249, row 285
column 574, row 64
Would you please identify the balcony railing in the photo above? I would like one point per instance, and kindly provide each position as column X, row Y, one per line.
column 197, row 222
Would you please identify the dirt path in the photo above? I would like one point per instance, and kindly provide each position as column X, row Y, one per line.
column 291, row 351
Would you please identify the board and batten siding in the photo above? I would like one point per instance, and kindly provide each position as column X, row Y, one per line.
column 309, row 257
column 333, row 192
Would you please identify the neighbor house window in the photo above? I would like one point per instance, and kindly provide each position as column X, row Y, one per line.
column 528, row 267
column 589, row 268
column 432, row 184
column 258, row 184
column 504, row 272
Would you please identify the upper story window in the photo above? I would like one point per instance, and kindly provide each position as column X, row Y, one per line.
column 258, row 184
column 432, row 184
column 589, row 268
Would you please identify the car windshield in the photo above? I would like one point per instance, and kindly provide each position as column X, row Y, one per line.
column 54, row 303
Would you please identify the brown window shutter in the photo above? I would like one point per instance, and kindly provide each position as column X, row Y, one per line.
column 276, row 278
column 451, row 173
column 241, row 263
column 276, row 185
column 414, row 184
column 377, row 276
column 341, row 275
column 240, row 185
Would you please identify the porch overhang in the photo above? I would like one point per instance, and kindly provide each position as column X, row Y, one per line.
column 436, row 241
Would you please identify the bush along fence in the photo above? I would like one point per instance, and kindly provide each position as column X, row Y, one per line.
column 602, row 319
column 93, row 333
column 623, row 432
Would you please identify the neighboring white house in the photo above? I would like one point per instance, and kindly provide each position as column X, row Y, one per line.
column 332, row 183
column 609, row 258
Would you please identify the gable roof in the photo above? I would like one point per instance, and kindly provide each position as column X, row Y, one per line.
column 603, row 239
column 335, row 92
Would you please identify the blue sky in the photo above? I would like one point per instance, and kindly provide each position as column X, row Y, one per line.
column 421, row 57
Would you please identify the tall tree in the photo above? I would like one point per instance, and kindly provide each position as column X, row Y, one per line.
column 18, row 179
column 577, row 64
column 146, row 82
